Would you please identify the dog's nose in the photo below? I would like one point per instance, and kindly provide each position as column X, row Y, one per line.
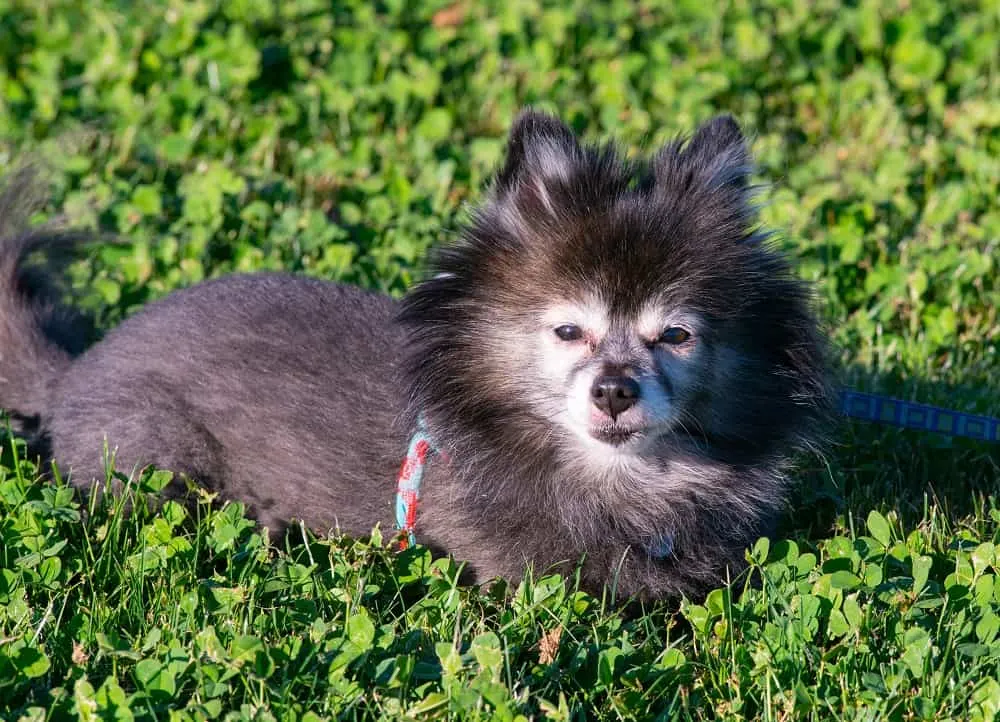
column 614, row 393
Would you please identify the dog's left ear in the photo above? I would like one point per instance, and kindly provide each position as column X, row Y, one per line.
column 717, row 156
column 719, row 153
column 543, row 155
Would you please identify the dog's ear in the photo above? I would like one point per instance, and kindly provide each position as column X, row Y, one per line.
column 719, row 153
column 716, row 157
column 543, row 155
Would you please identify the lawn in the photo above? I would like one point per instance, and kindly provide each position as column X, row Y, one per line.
column 343, row 139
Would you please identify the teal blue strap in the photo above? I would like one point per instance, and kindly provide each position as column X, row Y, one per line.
column 408, row 484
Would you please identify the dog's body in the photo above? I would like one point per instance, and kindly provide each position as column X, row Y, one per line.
column 235, row 382
column 613, row 365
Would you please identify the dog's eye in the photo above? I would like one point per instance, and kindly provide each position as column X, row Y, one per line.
column 675, row 335
column 569, row 332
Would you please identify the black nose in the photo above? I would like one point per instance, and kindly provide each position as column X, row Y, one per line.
column 614, row 393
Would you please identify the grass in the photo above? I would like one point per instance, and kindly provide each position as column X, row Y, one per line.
column 342, row 140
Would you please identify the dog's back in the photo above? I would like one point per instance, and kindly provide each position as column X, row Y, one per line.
column 256, row 385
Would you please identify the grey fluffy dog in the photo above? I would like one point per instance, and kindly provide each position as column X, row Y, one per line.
column 612, row 361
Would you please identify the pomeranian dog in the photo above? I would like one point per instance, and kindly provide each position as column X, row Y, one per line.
column 612, row 364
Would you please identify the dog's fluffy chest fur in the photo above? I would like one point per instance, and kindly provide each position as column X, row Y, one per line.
column 658, row 529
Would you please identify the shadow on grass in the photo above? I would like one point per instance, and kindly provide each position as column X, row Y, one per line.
column 872, row 466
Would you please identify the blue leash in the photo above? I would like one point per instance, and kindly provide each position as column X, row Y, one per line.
column 923, row 417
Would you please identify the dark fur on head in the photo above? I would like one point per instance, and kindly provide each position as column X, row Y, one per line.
column 615, row 362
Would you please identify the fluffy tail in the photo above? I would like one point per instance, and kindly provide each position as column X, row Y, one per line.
column 38, row 336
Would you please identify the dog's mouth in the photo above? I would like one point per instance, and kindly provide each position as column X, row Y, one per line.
column 614, row 435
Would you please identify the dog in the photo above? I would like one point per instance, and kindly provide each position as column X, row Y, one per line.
column 610, row 371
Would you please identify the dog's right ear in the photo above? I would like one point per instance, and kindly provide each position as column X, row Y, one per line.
column 716, row 157
column 719, row 154
column 543, row 155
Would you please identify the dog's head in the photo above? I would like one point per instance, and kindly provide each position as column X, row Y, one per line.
column 602, row 307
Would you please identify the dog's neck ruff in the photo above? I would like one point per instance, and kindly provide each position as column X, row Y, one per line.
column 411, row 473
column 853, row 404
column 408, row 484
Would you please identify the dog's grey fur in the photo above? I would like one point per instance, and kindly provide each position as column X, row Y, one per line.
column 299, row 396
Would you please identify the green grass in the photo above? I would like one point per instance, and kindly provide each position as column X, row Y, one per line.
column 342, row 140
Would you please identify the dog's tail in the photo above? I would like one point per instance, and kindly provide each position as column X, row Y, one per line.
column 38, row 335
